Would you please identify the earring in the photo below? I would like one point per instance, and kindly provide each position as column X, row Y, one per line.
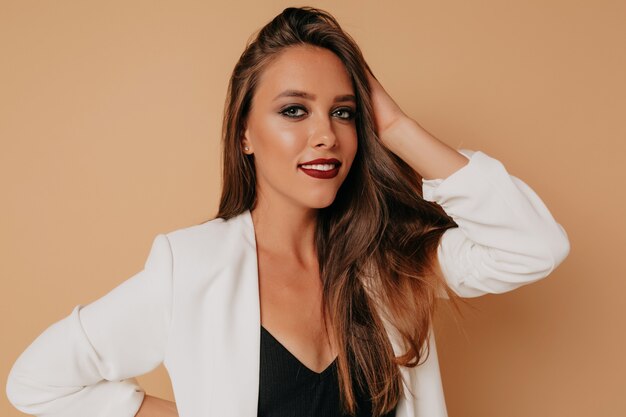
column 246, row 148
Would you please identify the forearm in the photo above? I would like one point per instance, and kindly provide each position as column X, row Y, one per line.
column 426, row 154
column 156, row 407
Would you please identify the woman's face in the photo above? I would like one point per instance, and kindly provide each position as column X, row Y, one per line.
column 303, row 109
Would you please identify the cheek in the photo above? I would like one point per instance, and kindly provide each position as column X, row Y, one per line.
column 351, row 142
column 277, row 146
column 351, row 147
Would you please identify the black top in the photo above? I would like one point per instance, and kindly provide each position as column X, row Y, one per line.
column 287, row 388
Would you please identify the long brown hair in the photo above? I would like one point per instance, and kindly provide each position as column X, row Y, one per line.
column 376, row 242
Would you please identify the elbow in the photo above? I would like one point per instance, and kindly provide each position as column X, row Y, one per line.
column 11, row 391
column 26, row 394
column 554, row 250
column 32, row 396
column 547, row 252
column 16, row 392
column 501, row 271
column 560, row 248
column 25, row 390
column 14, row 389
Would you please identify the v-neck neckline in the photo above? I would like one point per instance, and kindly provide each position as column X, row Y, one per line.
column 321, row 374
column 247, row 217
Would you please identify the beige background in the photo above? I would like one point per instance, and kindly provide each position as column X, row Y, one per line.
column 109, row 124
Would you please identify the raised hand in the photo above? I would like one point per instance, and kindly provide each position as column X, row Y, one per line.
column 405, row 137
column 388, row 116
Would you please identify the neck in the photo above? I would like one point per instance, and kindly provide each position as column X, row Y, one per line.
column 285, row 230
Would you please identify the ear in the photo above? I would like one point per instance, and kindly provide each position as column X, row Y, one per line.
column 245, row 142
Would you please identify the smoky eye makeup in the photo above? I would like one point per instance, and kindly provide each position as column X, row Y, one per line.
column 349, row 110
column 296, row 111
column 292, row 111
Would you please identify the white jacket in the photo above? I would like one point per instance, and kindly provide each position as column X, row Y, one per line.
column 195, row 307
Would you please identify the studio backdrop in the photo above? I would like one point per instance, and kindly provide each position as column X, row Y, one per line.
column 110, row 122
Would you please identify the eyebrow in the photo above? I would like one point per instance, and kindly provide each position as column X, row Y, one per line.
column 308, row 96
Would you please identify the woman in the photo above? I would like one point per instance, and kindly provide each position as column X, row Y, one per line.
column 312, row 291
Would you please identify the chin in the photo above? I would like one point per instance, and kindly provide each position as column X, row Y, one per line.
column 321, row 202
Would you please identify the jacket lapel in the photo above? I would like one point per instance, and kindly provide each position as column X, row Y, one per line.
column 236, row 349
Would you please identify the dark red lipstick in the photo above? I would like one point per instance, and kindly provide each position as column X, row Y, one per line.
column 321, row 172
column 322, row 161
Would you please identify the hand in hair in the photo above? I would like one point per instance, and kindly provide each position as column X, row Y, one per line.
column 388, row 116
column 403, row 136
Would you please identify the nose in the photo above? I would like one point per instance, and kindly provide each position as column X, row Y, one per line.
column 323, row 133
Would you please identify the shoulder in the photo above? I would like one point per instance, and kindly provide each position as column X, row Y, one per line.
column 214, row 236
column 210, row 249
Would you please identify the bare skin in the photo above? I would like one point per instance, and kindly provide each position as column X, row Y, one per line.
column 287, row 131
column 156, row 407
column 284, row 217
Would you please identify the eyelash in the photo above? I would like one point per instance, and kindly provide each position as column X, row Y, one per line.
column 351, row 116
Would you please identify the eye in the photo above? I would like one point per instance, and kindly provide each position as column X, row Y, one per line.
column 348, row 113
column 289, row 111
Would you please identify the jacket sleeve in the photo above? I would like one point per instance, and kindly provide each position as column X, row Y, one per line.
column 85, row 364
column 506, row 237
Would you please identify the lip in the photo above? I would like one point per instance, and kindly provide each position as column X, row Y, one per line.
column 321, row 174
column 315, row 173
column 322, row 161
